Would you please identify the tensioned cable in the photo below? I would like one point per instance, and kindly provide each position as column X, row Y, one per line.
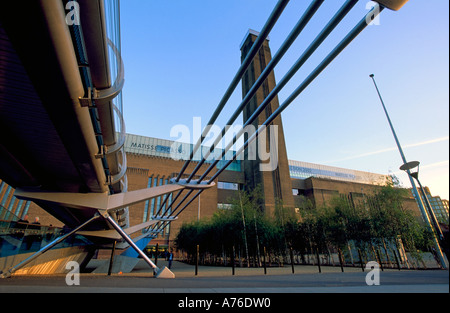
column 313, row 75
column 273, row 18
column 279, row 8
column 332, row 24
column 337, row 18
column 309, row 13
column 303, row 21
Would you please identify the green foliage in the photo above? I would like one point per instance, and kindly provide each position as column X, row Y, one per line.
column 377, row 218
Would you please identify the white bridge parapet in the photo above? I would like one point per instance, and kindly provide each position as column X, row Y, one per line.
column 193, row 184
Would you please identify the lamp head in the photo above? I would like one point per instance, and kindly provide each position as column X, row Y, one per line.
column 407, row 167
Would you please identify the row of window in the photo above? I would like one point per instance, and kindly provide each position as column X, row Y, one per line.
column 227, row 186
column 304, row 170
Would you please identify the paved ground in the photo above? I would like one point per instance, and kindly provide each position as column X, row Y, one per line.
column 219, row 280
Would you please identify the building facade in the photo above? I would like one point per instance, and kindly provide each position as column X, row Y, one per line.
column 153, row 162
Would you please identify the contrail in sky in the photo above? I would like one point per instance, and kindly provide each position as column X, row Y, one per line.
column 390, row 149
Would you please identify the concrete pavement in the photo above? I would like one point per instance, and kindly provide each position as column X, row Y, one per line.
column 219, row 280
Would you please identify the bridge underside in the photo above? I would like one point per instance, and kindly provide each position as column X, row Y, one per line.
column 44, row 130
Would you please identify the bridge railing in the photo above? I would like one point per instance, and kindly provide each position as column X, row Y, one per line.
column 98, row 42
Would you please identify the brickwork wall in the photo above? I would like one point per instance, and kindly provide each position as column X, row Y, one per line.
column 321, row 190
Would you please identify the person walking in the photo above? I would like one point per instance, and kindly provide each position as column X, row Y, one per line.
column 170, row 259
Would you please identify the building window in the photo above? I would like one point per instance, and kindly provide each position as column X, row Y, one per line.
column 224, row 206
column 227, row 186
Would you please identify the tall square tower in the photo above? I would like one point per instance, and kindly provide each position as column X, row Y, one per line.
column 276, row 184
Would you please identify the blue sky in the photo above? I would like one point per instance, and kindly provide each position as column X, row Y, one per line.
column 180, row 56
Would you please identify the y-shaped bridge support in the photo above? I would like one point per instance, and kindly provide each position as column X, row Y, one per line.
column 104, row 204
column 160, row 273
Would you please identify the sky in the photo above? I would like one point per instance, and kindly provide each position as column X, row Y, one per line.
column 180, row 57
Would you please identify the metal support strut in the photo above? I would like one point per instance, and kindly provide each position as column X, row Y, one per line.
column 156, row 270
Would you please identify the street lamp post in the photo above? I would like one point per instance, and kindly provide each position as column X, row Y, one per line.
column 439, row 236
column 409, row 166
column 416, row 193
column 425, row 214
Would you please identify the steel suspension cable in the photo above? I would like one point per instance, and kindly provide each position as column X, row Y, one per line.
column 332, row 24
column 279, row 8
column 276, row 13
column 309, row 13
column 337, row 18
column 313, row 75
